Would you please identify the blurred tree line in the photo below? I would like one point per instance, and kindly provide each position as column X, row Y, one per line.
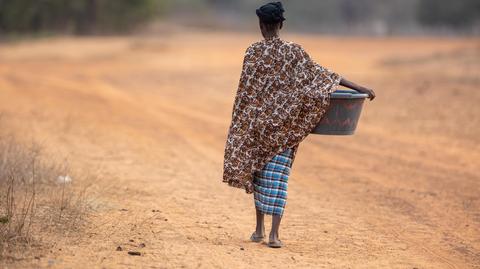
column 76, row 16
column 382, row 16
column 458, row 13
column 336, row 16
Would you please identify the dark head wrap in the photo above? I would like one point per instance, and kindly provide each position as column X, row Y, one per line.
column 271, row 13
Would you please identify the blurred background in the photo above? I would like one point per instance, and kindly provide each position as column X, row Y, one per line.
column 130, row 102
column 360, row 17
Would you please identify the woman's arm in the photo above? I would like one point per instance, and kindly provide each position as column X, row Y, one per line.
column 346, row 83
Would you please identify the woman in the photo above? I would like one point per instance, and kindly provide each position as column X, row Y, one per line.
column 281, row 96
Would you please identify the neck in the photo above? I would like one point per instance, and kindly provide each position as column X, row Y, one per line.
column 270, row 36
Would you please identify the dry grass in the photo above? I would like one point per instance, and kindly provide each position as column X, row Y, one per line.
column 34, row 202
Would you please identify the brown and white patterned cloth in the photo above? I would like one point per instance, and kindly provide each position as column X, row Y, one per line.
column 281, row 96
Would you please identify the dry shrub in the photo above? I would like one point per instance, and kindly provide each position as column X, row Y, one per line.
column 34, row 202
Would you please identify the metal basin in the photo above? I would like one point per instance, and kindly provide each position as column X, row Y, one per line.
column 343, row 113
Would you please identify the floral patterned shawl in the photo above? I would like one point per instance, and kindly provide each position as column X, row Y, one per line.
column 281, row 97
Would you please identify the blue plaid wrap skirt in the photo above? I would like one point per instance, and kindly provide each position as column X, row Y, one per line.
column 271, row 183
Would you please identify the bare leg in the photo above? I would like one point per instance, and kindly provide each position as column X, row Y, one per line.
column 260, row 230
column 274, row 240
column 259, row 233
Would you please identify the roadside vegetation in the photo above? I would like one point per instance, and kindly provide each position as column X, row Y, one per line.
column 97, row 17
column 39, row 197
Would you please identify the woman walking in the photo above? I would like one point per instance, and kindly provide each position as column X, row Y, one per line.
column 281, row 96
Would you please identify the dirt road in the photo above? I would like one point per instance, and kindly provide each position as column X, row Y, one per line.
column 151, row 114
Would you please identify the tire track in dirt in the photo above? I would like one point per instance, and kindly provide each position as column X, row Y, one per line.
column 197, row 143
column 160, row 143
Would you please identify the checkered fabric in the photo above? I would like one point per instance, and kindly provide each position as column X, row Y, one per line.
column 271, row 183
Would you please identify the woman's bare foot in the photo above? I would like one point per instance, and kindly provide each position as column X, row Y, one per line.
column 274, row 241
column 257, row 237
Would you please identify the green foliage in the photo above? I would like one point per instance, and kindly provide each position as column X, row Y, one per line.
column 79, row 16
column 121, row 15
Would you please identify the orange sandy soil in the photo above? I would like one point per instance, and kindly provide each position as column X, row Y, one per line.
column 150, row 116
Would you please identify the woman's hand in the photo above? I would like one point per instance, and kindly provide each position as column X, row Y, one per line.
column 346, row 83
column 370, row 92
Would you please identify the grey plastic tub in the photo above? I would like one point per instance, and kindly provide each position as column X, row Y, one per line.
column 343, row 113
